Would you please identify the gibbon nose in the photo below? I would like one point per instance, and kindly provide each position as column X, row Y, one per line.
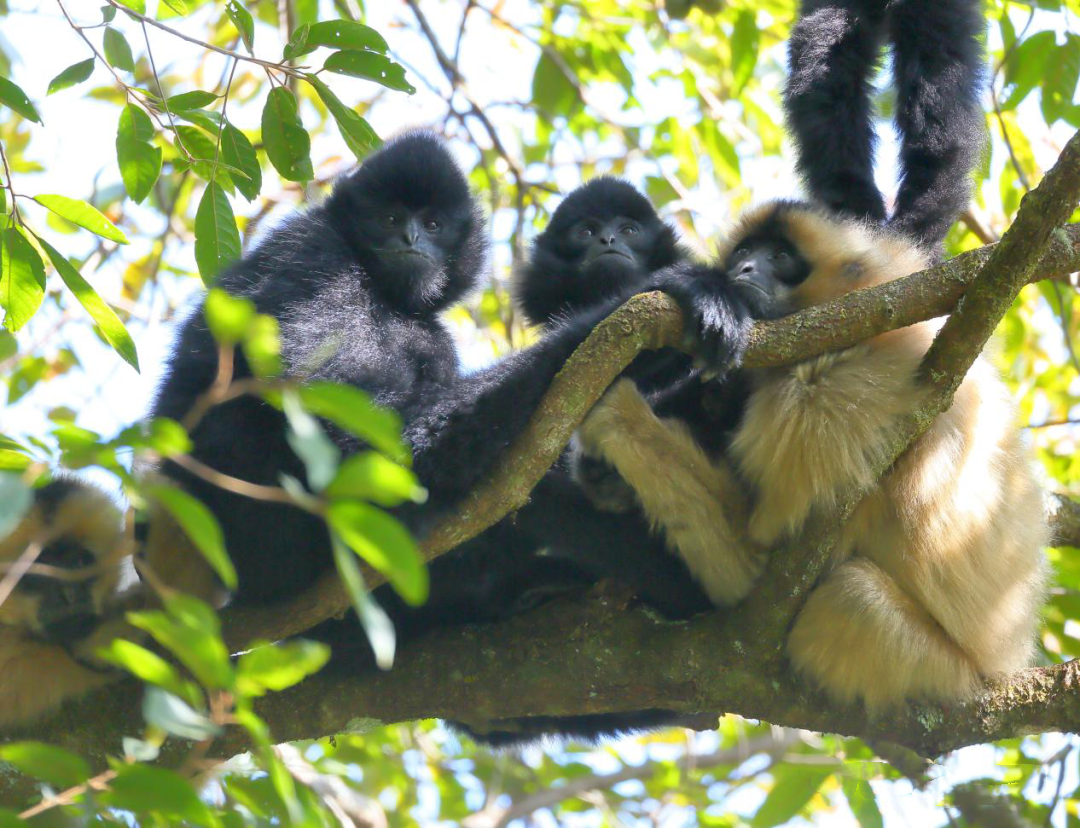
column 747, row 268
column 607, row 239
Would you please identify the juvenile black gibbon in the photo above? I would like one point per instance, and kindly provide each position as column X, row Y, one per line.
column 357, row 285
column 938, row 73
column 937, row 577
column 52, row 622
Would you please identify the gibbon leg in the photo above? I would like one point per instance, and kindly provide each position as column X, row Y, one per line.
column 693, row 498
column 35, row 677
column 860, row 636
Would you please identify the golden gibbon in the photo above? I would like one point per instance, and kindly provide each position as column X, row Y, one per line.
column 937, row 577
column 66, row 605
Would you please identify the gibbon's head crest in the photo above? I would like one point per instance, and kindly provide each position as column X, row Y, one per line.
column 78, row 528
column 603, row 240
column 410, row 216
column 838, row 255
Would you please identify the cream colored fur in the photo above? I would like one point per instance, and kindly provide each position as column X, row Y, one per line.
column 939, row 574
column 37, row 676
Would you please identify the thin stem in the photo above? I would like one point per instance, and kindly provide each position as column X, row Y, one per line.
column 268, row 64
column 9, row 185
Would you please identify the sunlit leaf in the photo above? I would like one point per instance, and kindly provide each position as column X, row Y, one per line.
column 358, row 134
column 287, row 143
column 370, row 66
column 196, row 99
column 309, row 441
column 795, row 786
column 862, row 801
column 228, row 317
column 371, row 476
column 745, row 37
column 353, row 410
column 152, row 790
column 85, row 215
column 140, row 162
column 241, row 18
column 22, row 279
column 117, row 50
column 54, row 765
column 76, row 73
column 200, row 526
column 190, row 630
column 376, row 623
column 383, row 542
column 149, row 667
column 339, row 34
column 12, row 96
column 278, row 666
column 135, row 5
column 217, row 241
column 175, row 716
column 238, row 153
column 104, row 316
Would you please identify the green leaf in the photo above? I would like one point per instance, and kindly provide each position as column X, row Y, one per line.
column 353, row 410
column 1026, row 67
column 179, row 7
column 360, row 138
column 745, row 39
column 297, row 42
column 53, row 765
column 238, row 153
column 175, row 716
column 149, row 667
column 85, row 215
column 140, row 162
column 13, row 97
column 370, row 66
column 112, row 329
column 309, row 441
column 196, row 99
column 862, row 801
column 117, row 51
column 9, row 346
column 145, row 789
column 190, row 630
column 1059, row 82
column 262, row 347
column 339, row 34
column 377, row 625
column 287, row 143
column 108, row 14
column 278, row 666
column 76, row 73
column 371, row 476
column 241, row 18
column 795, row 786
column 15, row 500
column 217, row 241
column 200, row 525
column 383, row 542
column 551, row 90
column 138, row 6
column 228, row 317
column 22, row 279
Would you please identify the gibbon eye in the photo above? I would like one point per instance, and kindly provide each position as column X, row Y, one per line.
column 390, row 220
column 741, row 252
column 628, row 229
column 432, row 225
column 781, row 256
column 586, row 231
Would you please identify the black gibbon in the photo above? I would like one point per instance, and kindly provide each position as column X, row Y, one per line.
column 938, row 73
column 66, row 604
column 937, row 578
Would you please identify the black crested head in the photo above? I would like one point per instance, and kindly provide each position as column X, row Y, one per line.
column 409, row 216
column 561, row 276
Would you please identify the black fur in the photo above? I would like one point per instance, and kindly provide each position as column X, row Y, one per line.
column 938, row 70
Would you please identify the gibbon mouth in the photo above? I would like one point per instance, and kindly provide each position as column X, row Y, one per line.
column 618, row 253
column 417, row 253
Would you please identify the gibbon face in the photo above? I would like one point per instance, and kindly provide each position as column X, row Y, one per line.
column 79, row 531
column 785, row 256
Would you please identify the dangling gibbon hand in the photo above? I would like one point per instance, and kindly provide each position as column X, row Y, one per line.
column 66, row 604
